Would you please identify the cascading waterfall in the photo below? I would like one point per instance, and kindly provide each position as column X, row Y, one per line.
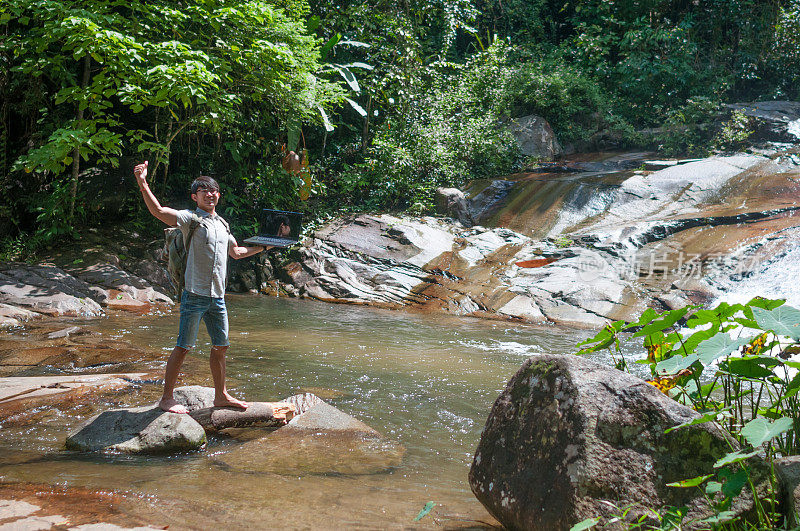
column 774, row 279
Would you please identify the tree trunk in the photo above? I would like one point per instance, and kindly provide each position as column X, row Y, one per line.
column 258, row 414
column 365, row 131
column 76, row 154
column 166, row 162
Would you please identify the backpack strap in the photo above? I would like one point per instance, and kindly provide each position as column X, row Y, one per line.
column 193, row 224
column 224, row 223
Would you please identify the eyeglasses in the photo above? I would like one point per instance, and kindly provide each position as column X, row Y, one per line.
column 208, row 191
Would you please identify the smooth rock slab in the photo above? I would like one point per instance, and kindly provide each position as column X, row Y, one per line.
column 17, row 388
column 138, row 430
column 322, row 440
column 569, row 439
column 14, row 316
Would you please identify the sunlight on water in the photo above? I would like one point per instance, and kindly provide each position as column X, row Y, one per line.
column 774, row 280
column 427, row 382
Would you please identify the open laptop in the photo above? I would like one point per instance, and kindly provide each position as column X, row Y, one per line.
column 277, row 228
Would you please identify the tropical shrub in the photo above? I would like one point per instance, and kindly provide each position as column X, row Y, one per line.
column 102, row 79
column 733, row 364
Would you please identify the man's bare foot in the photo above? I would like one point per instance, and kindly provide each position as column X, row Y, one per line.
column 172, row 405
column 226, row 400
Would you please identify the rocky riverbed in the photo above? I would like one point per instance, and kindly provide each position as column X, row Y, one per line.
column 572, row 243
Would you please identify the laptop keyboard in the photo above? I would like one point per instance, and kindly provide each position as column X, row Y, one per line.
column 267, row 240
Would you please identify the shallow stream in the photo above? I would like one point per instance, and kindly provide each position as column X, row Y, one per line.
column 427, row 381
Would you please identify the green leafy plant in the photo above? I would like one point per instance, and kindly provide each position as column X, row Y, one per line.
column 735, row 132
column 732, row 363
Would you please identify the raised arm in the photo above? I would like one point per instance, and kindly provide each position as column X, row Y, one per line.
column 165, row 214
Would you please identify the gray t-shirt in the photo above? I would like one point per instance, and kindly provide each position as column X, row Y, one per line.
column 207, row 264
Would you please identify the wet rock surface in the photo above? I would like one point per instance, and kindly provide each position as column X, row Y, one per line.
column 777, row 121
column 15, row 389
column 572, row 249
column 29, row 506
column 321, row 440
column 78, row 291
column 569, row 439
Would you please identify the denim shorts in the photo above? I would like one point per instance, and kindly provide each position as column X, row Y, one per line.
column 211, row 310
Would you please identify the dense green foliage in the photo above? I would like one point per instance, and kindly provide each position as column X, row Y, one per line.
column 734, row 364
column 391, row 99
column 201, row 87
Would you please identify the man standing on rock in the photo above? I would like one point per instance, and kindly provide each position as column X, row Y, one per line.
column 204, row 292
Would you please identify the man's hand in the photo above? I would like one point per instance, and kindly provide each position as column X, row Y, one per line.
column 140, row 172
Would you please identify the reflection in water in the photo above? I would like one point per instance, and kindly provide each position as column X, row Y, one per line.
column 427, row 382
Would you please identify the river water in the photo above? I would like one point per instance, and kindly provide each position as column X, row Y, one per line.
column 426, row 381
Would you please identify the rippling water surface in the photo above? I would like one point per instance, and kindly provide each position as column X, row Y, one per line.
column 425, row 381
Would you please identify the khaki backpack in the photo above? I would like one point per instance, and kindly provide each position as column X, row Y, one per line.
column 178, row 252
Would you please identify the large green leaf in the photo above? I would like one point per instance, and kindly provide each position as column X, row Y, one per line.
column 760, row 430
column 585, row 524
column 668, row 319
column 783, row 320
column 767, row 304
column 734, row 483
column 325, row 120
column 603, row 339
column 718, row 346
column 690, row 343
column 358, row 108
column 710, row 416
column 734, row 457
column 693, row 482
column 348, row 76
column 756, row 367
column 720, row 518
column 646, row 318
column 328, row 46
column 675, row 364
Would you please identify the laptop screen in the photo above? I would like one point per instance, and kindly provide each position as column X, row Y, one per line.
column 280, row 224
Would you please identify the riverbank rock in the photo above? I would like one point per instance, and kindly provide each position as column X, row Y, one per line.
column 321, row 440
column 46, row 289
column 435, row 265
column 120, row 289
column 79, row 290
column 777, row 121
column 141, row 430
column 452, row 202
column 14, row 316
column 249, row 275
column 23, row 393
column 569, row 439
column 787, row 470
column 535, row 137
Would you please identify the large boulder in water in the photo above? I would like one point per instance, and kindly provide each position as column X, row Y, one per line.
column 535, row 137
column 569, row 439
column 453, row 203
column 140, row 430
